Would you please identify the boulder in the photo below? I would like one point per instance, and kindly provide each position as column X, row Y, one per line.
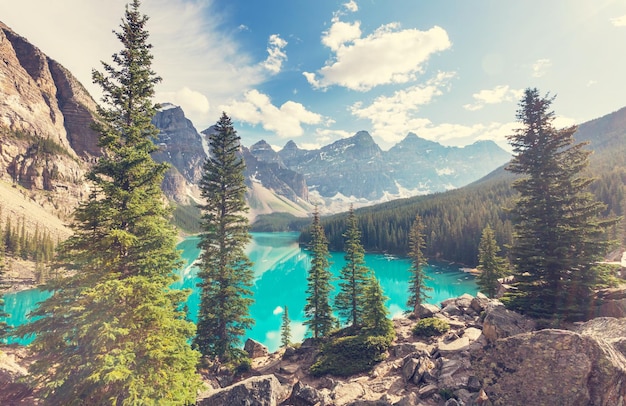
column 611, row 308
column 408, row 368
column 404, row 349
column 452, row 310
column 305, row 395
column 500, row 323
column 255, row 349
column 262, row 390
column 454, row 373
column 348, row 393
column 428, row 310
column 409, row 400
column 454, row 346
column 479, row 303
column 552, row 366
column 427, row 391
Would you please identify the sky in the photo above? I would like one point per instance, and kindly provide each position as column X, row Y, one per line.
column 315, row 71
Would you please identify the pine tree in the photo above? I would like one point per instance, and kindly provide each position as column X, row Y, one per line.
column 558, row 236
column 417, row 281
column 113, row 332
column 317, row 309
column 285, row 329
column 491, row 266
column 225, row 271
column 375, row 312
column 353, row 276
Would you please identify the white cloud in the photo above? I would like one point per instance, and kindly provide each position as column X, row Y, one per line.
column 496, row 95
column 286, row 120
column 540, row 67
column 460, row 135
column 341, row 33
column 392, row 117
column 619, row 21
column 191, row 55
column 192, row 102
column 278, row 310
column 388, row 55
column 351, row 6
column 276, row 55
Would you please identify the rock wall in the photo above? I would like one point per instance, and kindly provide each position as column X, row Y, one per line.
column 46, row 142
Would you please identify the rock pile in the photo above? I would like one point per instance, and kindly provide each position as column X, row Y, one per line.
column 490, row 356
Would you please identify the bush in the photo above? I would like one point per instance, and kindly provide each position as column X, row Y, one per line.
column 349, row 355
column 430, row 326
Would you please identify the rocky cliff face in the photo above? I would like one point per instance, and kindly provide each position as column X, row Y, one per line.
column 181, row 146
column 273, row 174
column 45, row 114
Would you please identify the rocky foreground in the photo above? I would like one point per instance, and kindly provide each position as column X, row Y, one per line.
column 490, row 356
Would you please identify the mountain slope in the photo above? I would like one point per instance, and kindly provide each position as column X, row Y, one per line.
column 46, row 142
column 358, row 170
column 454, row 220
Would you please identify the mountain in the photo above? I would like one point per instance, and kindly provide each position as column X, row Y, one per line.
column 454, row 220
column 182, row 147
column 355, row 169
column 46, row 142
column 427, row 167
column 272, row 187
column 350, row 167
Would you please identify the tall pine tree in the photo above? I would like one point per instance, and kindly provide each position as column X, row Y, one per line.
column 225, row 271
column 317, row 309
column 558, row 236
column 353, row 276
column 113, row 332
column 490, row 265
column 417, row 282
column 375, row 313
column 285, row 329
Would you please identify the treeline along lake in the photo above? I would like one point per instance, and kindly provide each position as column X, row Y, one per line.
column 280, row 269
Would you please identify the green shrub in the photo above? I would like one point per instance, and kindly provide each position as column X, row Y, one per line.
column 606, row 275
column 430, row 326
column 349, row 355
column 238, row 361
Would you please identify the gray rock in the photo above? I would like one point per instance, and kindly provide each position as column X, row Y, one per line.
column 404, row 349
column 452, row 310
column 548, row 365
column 255, row 391
column 305, row 395
column 500, row 323
column 454, row 373
column 479, row 303
column 255, row 349
column 428, row 310
column 408, row 368
column 427, row 391
column 409, row 400
column 473, row 384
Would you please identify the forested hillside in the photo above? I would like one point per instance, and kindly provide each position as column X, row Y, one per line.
column 454, row 220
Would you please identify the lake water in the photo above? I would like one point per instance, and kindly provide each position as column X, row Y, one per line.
column 280, row 269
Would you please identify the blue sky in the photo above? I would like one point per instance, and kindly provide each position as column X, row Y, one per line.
column 316, row 71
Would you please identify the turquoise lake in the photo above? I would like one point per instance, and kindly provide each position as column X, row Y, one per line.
column 280, row 269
